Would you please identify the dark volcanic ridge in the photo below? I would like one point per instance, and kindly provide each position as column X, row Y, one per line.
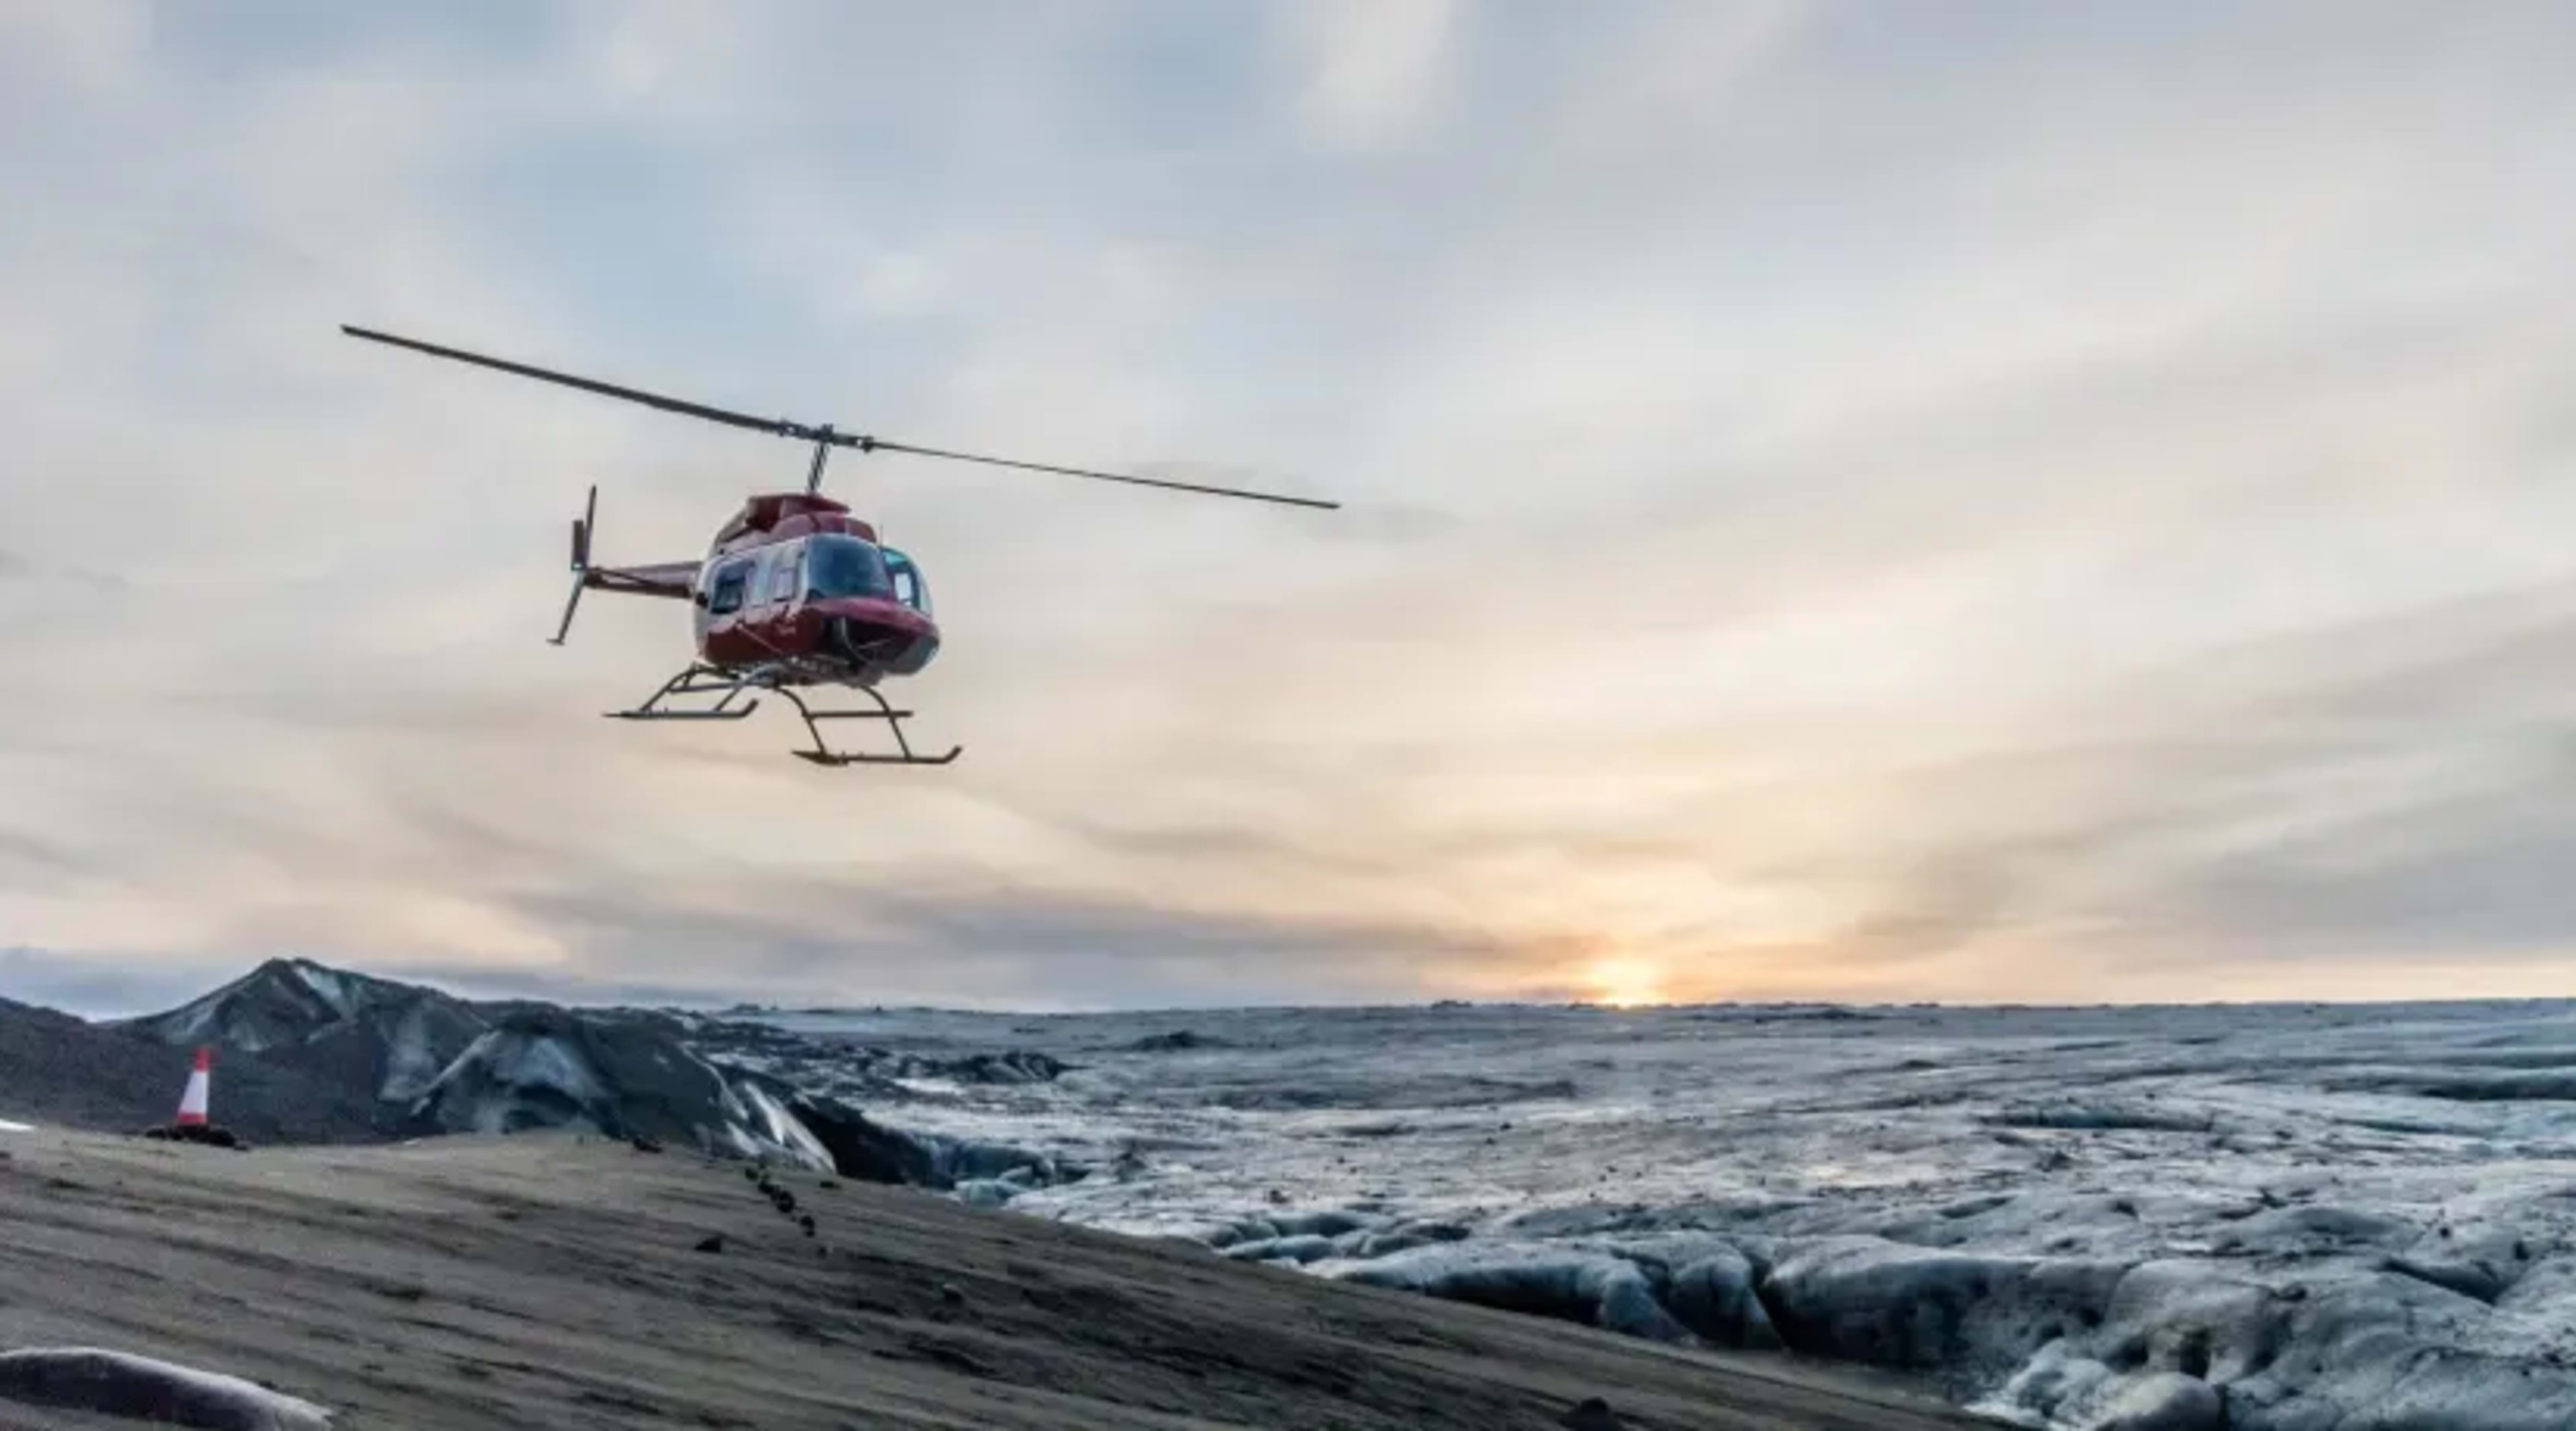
column 310, row 1054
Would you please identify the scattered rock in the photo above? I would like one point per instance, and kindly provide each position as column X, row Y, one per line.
column 712, row 1242
column 1591, row 1414
column 113, row 1383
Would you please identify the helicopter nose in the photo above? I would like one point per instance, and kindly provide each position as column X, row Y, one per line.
column 868, row 643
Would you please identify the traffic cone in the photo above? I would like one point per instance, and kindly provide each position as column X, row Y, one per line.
column 192, row 1104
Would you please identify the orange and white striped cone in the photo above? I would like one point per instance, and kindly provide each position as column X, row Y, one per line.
column 192, row 1104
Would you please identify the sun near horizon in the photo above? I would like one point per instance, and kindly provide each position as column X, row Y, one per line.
column 1624, row 981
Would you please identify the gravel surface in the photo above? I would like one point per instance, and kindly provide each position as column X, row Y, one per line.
column 551, row 1281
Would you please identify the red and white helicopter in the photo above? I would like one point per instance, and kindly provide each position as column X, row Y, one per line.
column 794, row 593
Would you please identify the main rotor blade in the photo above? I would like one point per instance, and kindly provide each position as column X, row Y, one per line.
column 778, row 426
column 782, row 428
column 881, row 445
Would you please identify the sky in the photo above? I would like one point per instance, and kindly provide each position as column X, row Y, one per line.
column 2016, row 502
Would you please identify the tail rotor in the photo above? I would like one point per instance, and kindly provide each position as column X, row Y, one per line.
column 581, row 530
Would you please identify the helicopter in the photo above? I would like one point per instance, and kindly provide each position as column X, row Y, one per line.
column 796, row 596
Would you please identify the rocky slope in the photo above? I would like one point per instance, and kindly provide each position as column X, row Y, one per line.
column 628, row 1076
column 390, row 1039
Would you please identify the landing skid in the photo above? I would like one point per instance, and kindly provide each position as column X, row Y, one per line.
column 728, row 688
column 697, row 681
column 823, row 754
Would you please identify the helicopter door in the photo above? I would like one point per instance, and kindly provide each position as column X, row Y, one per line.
column 771, row 612
column 786, row 574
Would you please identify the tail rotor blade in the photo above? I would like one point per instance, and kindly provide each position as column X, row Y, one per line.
column 572, row 603
column 581, row 530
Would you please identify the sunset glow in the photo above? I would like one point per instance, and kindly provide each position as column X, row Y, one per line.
column 1810, row 529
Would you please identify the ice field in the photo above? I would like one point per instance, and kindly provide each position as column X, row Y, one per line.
column 2258, row 1216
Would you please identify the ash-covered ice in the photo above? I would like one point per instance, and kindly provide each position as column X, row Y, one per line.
column 2273, row 1218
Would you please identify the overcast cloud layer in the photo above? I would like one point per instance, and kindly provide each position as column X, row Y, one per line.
column 1984, row 501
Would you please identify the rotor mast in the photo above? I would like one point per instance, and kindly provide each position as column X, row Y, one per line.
column 822, row 453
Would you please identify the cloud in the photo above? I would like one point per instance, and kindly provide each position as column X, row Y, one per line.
column 1001, row 946
column 38, row 856
column 1877, row 506
column 1375, row 71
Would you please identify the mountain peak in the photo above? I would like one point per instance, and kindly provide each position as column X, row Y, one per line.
column 292, row 1000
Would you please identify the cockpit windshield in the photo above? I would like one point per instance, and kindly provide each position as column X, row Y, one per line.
column 844, row 566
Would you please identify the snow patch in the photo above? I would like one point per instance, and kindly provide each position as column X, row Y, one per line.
column 328, row 985
column 782, row 1127
column 190, row 1024
column 412, row 1061
column 549, row 1063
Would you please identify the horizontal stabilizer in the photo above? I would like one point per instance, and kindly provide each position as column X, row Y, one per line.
column 674, row 579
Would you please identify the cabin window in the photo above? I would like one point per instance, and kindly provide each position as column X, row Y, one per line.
column 843, row 566
column 725, row 594
column 789, row 572
column 908, row 586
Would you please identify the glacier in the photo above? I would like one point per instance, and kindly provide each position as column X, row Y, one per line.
column 2267, row 1218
